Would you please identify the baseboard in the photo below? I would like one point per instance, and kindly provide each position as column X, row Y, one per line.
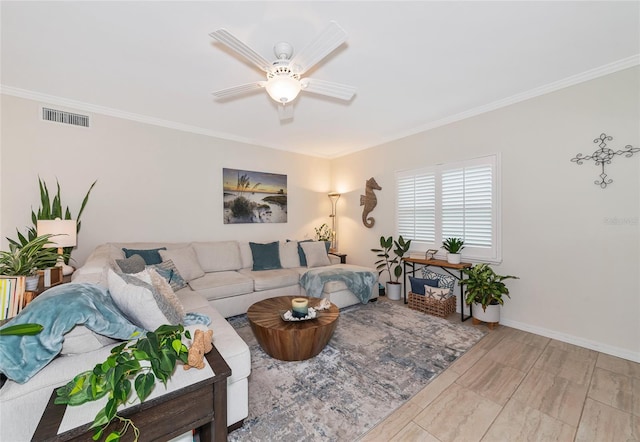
column 586, row 343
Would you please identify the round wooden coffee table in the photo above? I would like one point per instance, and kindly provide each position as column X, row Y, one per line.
column 295, row 340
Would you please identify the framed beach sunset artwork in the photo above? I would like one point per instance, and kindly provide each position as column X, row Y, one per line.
column 254, row 197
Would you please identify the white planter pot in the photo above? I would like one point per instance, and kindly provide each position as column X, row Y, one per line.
column 453, row 258
column 491, row 315
column 31, row 283
column 394, row 291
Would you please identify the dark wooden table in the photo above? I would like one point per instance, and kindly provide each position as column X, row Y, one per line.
column 202, row 405
column 291, row 340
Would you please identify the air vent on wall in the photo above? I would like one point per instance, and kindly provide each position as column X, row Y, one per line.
column 59, row 116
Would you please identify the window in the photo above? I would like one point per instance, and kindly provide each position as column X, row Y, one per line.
column 452, row 200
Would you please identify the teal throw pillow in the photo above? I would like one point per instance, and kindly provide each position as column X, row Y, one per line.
column 266, row 256
column 150, row 256
column 417, row 284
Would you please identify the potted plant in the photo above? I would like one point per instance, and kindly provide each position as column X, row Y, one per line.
column 323, row 233
column 485, row 290
column 393, row 266
column 27, row 259
column 453, row 246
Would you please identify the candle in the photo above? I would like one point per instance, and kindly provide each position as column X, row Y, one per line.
column 299, row 307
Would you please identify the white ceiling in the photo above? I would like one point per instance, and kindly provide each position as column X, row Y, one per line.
column 415, row 64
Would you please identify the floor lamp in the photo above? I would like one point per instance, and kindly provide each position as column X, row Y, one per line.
column 63, row 233
column 333, row 196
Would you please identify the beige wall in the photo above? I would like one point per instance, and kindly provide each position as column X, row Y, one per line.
column 574, row 245
column 153, row 183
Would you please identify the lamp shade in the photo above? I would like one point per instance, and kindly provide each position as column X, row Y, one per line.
column 283, row 88
column 63, row 231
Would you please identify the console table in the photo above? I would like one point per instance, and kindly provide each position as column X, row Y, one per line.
column 201, row 405
column 419, row 263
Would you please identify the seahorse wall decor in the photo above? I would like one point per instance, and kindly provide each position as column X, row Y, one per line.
column 369, row 201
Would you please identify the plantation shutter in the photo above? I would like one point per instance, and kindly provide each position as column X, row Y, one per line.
column 454, row 200
column 416, row 207
column 467, row 205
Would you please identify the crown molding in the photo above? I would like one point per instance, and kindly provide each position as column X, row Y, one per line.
column 573, row 80
column 532, row 93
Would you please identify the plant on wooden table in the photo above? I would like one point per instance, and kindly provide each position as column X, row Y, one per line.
column 162, row 349
column 27, row 259
column 50, row 209
column 453, row 245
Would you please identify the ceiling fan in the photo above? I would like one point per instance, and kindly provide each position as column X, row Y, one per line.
column 284, row 81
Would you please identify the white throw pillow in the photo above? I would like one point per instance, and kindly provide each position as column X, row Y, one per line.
column 145, row 306
column 186, row 261
column 289, row 257
column 316, row 253
column 439, row 293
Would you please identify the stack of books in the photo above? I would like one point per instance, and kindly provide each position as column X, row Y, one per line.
column 12, row 291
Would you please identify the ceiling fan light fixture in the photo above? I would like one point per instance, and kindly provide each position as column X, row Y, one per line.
column 283, row 88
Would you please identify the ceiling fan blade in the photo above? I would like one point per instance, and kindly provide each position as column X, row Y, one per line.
column 285, row 112
column 239, row 90
column 332, row 37
column 328, row 88
column 232, row 42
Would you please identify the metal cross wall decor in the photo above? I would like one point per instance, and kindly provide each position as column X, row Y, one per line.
column 603, row 156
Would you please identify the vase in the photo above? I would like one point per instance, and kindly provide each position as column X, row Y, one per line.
column 453, row 258
column 31, row 283
column 393, row 291
column 491, row 315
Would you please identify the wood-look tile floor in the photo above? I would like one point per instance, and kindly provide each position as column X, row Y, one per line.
column 516, row 386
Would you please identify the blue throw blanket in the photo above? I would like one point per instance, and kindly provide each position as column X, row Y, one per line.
column 58, row 310
column 360, row 283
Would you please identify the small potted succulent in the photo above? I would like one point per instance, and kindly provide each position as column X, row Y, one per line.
column 453, row 246
column 393, row 266
column 485, row 290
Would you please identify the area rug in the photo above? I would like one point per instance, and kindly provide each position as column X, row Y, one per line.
column 380, row 355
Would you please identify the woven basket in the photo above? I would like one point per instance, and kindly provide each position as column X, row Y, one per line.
column 432, row 306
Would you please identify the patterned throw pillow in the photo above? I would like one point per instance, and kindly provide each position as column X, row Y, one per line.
column 439, row 293
column 443, row 280
column 168, row 271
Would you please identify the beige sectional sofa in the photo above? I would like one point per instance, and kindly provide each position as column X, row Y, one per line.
column 222, row 283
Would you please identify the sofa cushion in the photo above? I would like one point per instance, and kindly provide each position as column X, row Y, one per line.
column 168, row 271
column 186, row 261
column 144, row 305
column 150, row 256
column 265, row 256
column 222, row 284
column 133, row 264
column 316, row 254
column 82, row 340
column 289, row 257
column 272, row 279
column 218, row 256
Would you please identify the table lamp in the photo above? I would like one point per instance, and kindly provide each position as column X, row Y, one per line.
column 63, row 233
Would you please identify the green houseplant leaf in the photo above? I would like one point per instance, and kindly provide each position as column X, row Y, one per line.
column 385, row 263
column 484, row 286
column 114, row 376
